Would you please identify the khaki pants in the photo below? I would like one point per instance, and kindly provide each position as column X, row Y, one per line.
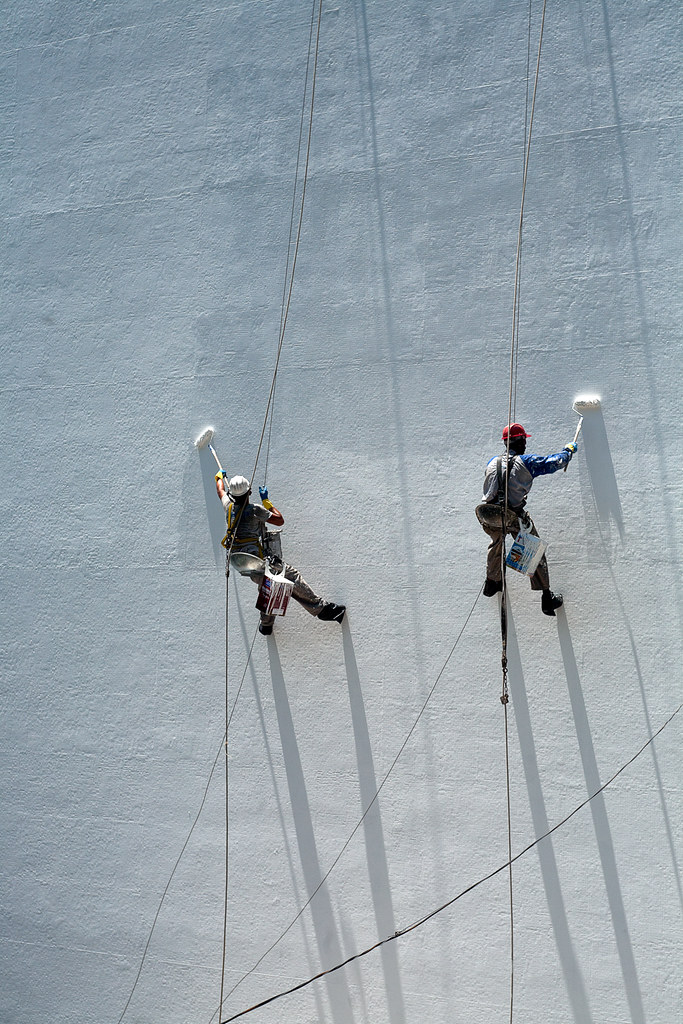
column 301, row 592
column 540, row 579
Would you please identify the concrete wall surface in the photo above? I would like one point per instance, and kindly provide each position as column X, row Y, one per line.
column 148, row 155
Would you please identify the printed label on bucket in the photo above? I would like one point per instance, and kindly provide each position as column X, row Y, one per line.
column 274, row 593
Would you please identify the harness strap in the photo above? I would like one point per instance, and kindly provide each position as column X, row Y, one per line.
column 500, row 497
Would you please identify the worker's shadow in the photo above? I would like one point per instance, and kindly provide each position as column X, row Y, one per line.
column 247, row 632
column 375, row 850
column 324, row 925
column 601, row 824
column 571, row 971
column 601, row 472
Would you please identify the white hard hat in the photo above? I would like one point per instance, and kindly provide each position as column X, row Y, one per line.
column 238, row 486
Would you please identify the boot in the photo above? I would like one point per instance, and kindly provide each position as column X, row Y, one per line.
column 266, row 628
column 331, row 612
column 550, row 601
column 492, row 587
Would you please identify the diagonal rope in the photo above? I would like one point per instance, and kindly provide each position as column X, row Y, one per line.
column 185, row 844
column 463, row 892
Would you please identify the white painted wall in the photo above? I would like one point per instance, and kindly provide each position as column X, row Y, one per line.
column 148, row 156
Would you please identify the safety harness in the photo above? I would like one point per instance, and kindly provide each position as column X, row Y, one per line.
column 500, row 497
column 240, row 538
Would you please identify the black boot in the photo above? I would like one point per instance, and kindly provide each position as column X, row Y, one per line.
column 492, row 587
column 550, row 601
column 266, row 628
column 332, row 612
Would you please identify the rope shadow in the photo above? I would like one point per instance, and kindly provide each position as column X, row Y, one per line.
column 329, row 947
column 388, row 337
column 375, row 849
column 550, row 875
column 601, row 825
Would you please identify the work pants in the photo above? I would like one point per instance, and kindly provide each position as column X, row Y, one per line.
column 540, row 579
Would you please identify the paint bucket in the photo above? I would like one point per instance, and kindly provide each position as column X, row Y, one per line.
column 274, row 593
column 525, row 554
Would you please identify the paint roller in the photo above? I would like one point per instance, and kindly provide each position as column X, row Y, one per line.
column 204, row 440
column 584, row 404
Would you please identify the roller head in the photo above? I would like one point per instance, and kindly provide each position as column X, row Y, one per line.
column 586, row 403
column 204, row 438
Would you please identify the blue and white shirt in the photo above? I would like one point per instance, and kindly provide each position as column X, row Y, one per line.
column 523, row 470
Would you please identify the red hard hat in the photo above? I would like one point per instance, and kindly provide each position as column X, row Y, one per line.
column 515, row 430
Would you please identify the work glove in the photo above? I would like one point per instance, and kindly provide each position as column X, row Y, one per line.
column 263, row 493
column 572, row 448
column 220, row 475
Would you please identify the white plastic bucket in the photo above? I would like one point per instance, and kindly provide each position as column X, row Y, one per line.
column 274, row 593
column 526, row 553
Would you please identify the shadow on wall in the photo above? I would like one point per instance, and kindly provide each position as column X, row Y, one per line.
column 603, row 834
column 652, row 372
column 390, row 335
column 329, row 946
column 571, row 971
column 289, row 853
column 601, row 471
column 375, row 851
column 648, row 722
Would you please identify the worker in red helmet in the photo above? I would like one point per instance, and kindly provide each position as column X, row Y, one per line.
column 516, row 472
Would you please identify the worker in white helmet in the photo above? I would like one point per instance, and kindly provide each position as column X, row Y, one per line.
column 519, row 474
column 246, row 532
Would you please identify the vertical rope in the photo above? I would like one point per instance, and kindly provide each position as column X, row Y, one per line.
column 512, row 403
column 519, row 276
column 227, row 781
column 285, row 313
column 291, row 223
column 286, row 301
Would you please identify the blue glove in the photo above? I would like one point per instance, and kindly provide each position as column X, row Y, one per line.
column 221, row 475
column 263, row 491
column 572, row 448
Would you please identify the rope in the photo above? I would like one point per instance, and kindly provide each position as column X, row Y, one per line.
column 519, row 275
column 227, row 774
column 291, row 226
column 367, row 809
column 284, row 312
column 512, row 402
column 463, row 892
